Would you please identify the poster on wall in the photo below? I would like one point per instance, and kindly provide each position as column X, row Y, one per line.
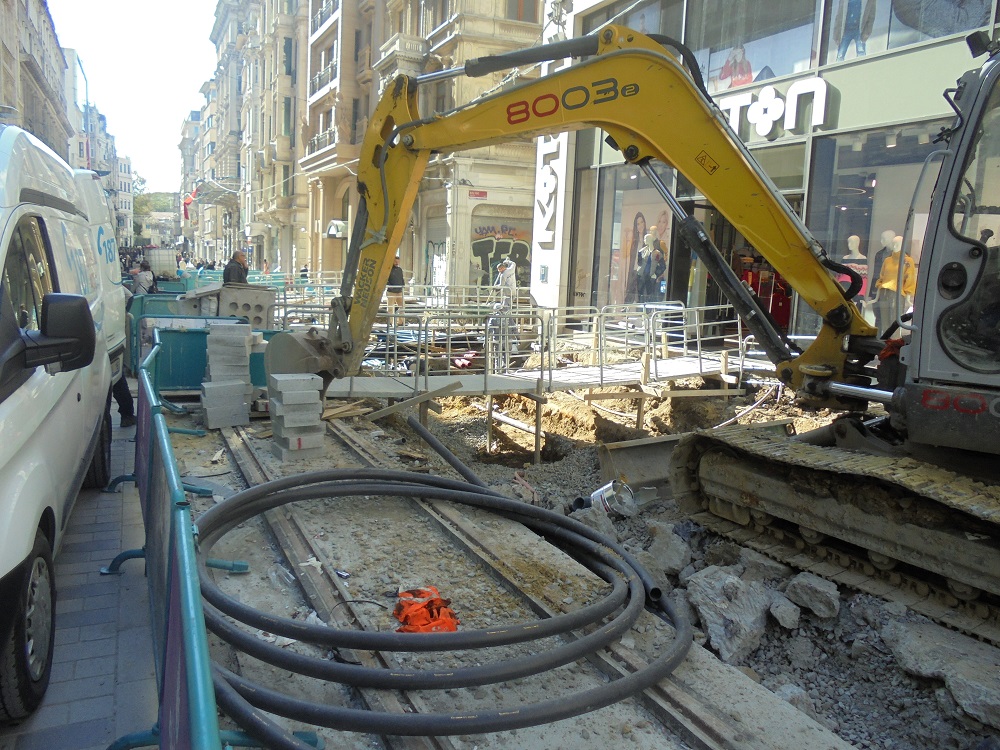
column 643, row 212
column 645, row 20
column 500, row 238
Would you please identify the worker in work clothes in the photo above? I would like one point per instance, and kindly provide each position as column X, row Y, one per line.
column 394, row 288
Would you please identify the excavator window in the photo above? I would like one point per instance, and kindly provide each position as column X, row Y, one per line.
column 970, row 331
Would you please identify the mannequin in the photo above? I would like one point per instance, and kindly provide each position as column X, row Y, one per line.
column 885, row 307
column 853, row 24
column 649, row 266
column 857, row 263
column 875, row 268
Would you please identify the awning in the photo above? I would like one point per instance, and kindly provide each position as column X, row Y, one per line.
column 336, row 230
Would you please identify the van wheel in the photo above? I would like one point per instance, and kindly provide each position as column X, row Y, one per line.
column 26, row 654
column 99, row 473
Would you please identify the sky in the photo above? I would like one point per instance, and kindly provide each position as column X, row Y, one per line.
column 145, row 64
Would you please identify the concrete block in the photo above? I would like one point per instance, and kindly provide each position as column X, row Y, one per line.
column 293, row 382
column 229, row 329
column 290, row 454
column 235, row 359
column 226, row 389
column 228, row 372
column 301, row 442
column 226, row 416
column 291, row 398
column 281, row 409
column 281, row 425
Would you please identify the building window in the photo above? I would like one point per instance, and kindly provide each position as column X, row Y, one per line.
column 443, row 96
column 287, row 56
column 81, row 149
column 742, row 43
column 855, row 28
column 440, row 11
column 523, row 10
column 286, row 180
column 286, row 116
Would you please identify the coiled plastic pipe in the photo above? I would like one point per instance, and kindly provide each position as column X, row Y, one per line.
column 631, row 588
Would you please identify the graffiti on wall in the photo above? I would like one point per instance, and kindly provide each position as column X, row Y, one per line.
column 435, row 266
column 494, row 240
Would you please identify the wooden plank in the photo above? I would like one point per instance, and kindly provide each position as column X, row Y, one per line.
column 707, row 392
column 418, row 399
column 619, row 396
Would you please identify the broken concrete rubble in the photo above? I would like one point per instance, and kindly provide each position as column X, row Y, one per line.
column 970, row 670
column 733, row 612
column 815, row 594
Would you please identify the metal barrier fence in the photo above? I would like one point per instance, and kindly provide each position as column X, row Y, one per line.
column 427, row 328
column 187, row 709
column 479, row 339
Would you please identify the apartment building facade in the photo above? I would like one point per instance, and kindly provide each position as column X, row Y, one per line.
column 475, row 206
column 273, row 193
column 33, row 73
column 186, row 208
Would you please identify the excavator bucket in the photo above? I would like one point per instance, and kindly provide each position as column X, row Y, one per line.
column 292, row 353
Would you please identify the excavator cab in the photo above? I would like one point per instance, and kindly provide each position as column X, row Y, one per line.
column 951, row 397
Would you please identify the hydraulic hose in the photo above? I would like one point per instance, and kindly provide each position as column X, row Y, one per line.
column 605, row 621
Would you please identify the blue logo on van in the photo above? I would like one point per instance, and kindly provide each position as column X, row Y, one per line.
column 107, row 247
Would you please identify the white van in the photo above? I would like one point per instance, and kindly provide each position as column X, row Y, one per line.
column 56, row 321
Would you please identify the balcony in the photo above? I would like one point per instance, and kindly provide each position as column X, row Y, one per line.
column 326, row 10
column 402, row 54
column 321, row 140
column 365, row 65
column 323, row 78
column 282, row 146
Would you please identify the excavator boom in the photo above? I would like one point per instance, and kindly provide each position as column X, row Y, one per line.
column 651, row 107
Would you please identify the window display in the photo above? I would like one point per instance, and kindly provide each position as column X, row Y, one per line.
column 861, row 185
column 856, row 28
column 742, row 42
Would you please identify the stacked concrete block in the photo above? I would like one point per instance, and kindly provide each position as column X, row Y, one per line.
column 296, row 406
column 225, row 403
column 229, row 347
column 226, row 395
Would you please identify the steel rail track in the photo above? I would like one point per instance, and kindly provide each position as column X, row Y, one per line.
column 676, row 704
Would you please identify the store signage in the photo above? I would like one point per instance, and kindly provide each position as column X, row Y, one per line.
column 771, row 113
column 478, row 194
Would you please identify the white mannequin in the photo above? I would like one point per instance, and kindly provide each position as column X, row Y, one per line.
column 888, row 237
column 854, row 248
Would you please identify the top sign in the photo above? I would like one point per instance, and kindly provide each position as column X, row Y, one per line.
column 769, row 108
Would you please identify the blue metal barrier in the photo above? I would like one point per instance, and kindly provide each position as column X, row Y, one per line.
column 187, row 710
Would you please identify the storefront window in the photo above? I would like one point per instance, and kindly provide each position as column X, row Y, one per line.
column 860, row 27
column 744, row 42
column 629, row 209
column 860, row 190
column 656, row 17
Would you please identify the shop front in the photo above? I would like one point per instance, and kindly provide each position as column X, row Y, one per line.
column 841, row 128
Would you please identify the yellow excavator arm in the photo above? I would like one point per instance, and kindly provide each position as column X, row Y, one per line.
column 651, row 106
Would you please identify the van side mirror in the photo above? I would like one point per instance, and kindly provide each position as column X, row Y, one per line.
column 67, row 336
